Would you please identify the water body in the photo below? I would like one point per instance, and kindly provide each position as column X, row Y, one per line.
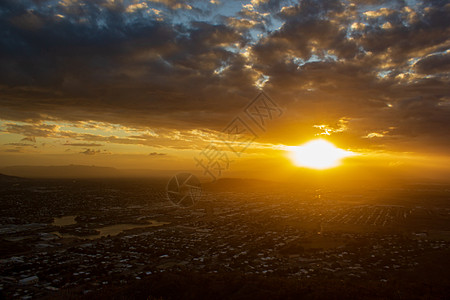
column 112, row 230
column 64, row 221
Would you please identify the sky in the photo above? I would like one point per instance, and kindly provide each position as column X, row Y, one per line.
column 137, row 84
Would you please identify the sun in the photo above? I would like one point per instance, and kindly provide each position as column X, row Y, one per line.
column 318, row 154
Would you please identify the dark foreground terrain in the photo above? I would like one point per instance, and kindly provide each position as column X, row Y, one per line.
column 122, row 238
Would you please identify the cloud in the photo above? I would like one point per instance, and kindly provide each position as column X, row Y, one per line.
column 29, row 139
column 161, row 138
column 13, row 151
column 139, row 66
column 157, row 154
column 20, row 145
column 382, row 12
column 136, row 6
column 102, row 62
column 91, row 152
column 30, row 131
column 82, row 144
column 435, row 63
column 174, row 4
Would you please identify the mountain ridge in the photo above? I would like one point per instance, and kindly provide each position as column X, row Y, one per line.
column 81, row 171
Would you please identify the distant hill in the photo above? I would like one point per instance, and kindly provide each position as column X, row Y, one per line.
column 71, row 171
column 82, row 171
column 7, row 179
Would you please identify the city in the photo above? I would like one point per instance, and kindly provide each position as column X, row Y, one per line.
column 314, row 235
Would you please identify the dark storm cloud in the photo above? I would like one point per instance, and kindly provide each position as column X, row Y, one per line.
column 306, row 28
column 101, row 60
column 401, row 42
column 272, row 6
column 363, row 68
column 151, row 64
column 434, row 64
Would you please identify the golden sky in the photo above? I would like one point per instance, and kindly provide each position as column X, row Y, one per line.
column 151, row 84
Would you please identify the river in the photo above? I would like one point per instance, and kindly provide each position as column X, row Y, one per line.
column 111, row 230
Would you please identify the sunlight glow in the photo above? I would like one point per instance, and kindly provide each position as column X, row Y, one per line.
column 318, row 154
